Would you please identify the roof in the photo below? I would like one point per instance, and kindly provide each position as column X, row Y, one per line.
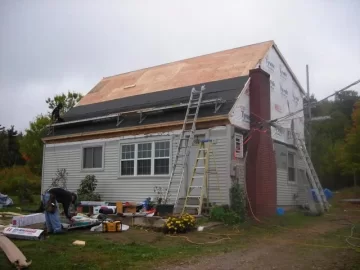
column 206, row 68
column 228, row 90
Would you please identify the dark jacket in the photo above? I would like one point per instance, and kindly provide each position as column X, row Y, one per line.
column 64, row 197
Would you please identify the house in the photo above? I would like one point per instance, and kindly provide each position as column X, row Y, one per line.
column 126, row 129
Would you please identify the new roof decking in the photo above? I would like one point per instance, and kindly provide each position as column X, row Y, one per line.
column 207, row 68
column 228, row 90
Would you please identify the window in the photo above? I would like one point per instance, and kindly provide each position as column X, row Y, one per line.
column 127, row 159
column 162, row 158
column 239, row 146
column 92, row 157
column 152, row 158
column 144, row 159
column 291, row 167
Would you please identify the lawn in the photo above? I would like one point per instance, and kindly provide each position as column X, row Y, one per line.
column 145, row 249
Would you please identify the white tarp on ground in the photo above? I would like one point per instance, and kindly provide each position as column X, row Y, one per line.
column 5, row 200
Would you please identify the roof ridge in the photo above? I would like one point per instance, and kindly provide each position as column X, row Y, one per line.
column 194, row 57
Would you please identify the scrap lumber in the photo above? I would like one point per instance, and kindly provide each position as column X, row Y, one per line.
column 13, row 253
column 11, row 214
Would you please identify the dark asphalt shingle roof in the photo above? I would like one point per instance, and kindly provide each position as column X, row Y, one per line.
column 228, row 90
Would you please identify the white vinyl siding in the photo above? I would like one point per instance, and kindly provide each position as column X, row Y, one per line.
column 289, row 193
column 112, row 186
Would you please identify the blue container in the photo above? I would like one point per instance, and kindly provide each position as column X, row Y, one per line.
column 328, row 193
column 280, row 211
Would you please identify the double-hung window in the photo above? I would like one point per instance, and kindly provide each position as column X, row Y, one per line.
column 92, row 157
column 145, row 158
column 291, row 167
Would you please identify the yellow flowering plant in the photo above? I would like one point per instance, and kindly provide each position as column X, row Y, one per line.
column 180, row 224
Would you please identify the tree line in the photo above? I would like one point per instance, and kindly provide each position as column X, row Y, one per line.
column 335, row 142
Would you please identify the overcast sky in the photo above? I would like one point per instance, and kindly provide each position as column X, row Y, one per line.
column 49, row 47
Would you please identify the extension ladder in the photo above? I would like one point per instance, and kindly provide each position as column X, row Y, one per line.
column 200, row 177
column 313, row 177
column 185, row 142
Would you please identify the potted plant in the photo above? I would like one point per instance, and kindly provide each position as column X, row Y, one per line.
column 162, row 208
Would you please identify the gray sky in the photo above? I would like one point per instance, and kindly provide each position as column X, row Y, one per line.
column 49, row 47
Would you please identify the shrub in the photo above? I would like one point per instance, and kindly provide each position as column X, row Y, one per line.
column 236, row 212
column 60, row 179
column 180, row 224
column 19, row 179
column 226, row 215
column 237, row 201
column 86, row 191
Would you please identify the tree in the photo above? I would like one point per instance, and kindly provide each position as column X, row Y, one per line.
column 68, row 101
column 31, row 144
column 349, row 152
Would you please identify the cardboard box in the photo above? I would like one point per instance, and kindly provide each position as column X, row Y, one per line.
column 26, row 220
column 23, row 233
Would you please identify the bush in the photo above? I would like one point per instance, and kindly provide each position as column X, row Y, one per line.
column 225, row 215
column 237, row 201
column 236, row 212
column 60, row 179
column 86, row 191
column 181, row 224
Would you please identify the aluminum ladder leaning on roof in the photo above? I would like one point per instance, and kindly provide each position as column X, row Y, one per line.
column 313, row 177
column 185, row 142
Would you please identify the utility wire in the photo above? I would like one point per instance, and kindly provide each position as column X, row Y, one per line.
column 336, row 92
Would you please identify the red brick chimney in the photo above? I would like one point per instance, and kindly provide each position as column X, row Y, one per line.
column 260, row 165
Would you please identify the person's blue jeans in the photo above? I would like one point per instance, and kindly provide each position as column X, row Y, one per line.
column 53, row 223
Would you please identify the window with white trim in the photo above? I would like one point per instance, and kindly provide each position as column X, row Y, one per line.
column 127, row 159
column 93, row 157
column 291, row 167
column 239, row 152
column 144, row 159
column 151, row 158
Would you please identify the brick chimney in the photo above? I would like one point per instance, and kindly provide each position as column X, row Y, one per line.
column 260, row 165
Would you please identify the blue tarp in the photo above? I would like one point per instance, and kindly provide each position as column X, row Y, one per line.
column 5, row 200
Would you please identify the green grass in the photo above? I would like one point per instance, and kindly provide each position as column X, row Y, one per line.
column 136, row 248
column 142, row 249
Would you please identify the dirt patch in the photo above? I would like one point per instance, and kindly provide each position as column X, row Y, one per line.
column 293, row 249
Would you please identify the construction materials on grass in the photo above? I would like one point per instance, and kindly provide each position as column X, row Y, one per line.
column 119, row 207
column 13, row 253
column 111, row 226
column 79, row 243
column 183, row 150
column 311, row 173
column 107, row 210
column 9, row 214
column 93, row 203
column 24, row 233
column 80, row 221
column 26, row 220
column 5, row 200
column 199, row 183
